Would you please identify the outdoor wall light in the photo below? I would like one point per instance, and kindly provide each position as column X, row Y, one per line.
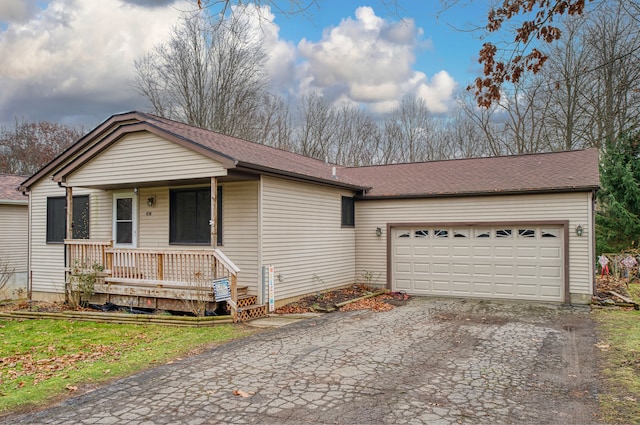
column 579, row 230
column 151, row 201
column 378, row 231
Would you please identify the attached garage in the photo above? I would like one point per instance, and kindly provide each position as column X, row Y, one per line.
column 511, row 227
column 523, row 261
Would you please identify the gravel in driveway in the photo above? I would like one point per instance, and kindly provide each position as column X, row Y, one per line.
column 432, row 361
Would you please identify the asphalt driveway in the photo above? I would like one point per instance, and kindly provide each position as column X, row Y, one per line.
column 432, row 361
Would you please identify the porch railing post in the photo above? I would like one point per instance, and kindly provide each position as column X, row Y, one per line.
column 161, row 266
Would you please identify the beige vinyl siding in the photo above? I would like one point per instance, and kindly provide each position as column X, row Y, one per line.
column 144, row 157
column 14, row 231
column 240, row 230
column 47, row 260
column 303, row 239
column 372, row 250
column 239, row 221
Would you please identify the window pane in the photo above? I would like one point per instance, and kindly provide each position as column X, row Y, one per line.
column 422, row 233
column 190, row 212
column 550, row 233
column 56, row 219
column 482, row 233
column 81, row 217
column 348, row 212
column 460, row 233
column 404, row 235
column 124, row 208
column 124, row 232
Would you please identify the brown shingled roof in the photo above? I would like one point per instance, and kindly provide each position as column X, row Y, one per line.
column 561, row 171
column 255, row 155
column 8, row 186
column 546, row 172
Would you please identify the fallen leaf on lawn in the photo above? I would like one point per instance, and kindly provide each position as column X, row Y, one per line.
column 602, row 346
column 107, row 371
column 243, row 393
column 71, row 387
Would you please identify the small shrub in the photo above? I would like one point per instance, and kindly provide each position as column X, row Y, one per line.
column 82, row 280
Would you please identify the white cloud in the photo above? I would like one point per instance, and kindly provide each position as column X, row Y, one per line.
column 369, row 60
column 75, row 52
column 281, row 54
column 17, row 10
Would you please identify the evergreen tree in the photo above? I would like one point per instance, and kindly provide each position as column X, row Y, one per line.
column 618, row 212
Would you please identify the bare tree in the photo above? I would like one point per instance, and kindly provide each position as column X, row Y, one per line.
column 411, row 128
column 28, row 146
column 316, row 127
column 209, row 74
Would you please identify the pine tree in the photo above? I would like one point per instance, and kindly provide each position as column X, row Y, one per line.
column 618, row 212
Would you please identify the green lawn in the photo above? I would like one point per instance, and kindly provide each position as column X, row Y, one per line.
column 619, row 342
column 43, row 360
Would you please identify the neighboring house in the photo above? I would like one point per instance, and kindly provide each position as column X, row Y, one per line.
column 13, row 237
column 141, row 189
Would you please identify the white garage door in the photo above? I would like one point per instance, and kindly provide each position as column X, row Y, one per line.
column 514, row 262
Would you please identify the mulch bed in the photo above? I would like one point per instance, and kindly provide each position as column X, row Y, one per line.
column 333, row 300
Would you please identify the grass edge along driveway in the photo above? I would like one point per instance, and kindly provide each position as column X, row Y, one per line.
column 43, row 361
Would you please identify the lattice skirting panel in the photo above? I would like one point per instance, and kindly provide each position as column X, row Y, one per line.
column 253, row 312
column 247, row 300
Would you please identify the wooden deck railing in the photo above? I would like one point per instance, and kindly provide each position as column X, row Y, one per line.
column 189, row 268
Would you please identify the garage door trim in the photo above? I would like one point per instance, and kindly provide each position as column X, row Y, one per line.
column 563, row 223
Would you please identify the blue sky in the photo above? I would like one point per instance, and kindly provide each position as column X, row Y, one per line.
column 71, row 61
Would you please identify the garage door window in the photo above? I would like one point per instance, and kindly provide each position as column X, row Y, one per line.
column 460, row 233
column 440, row 233
column 526, row 233
column 483, row 233
column 422, row 233
column 503, row 233
column 550, row 233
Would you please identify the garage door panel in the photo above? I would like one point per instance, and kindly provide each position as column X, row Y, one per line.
column 504, row 270
column 403, row 284
column 481, row 251
column 402, row 251
column 463, row 287
column 501, row 262
column 550, row 253
column 440, row 251
column 524, row 271
column 421, row 267
column 402, row 267
column 441, row 268
column 553, row 272
column 503, row 252
column 421, row 250
column 530, row 252
column 461, row 269
column 461, row 251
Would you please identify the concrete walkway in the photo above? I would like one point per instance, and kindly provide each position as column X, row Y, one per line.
column 433, row 361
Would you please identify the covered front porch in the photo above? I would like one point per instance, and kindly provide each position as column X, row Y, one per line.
column 160, row 279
